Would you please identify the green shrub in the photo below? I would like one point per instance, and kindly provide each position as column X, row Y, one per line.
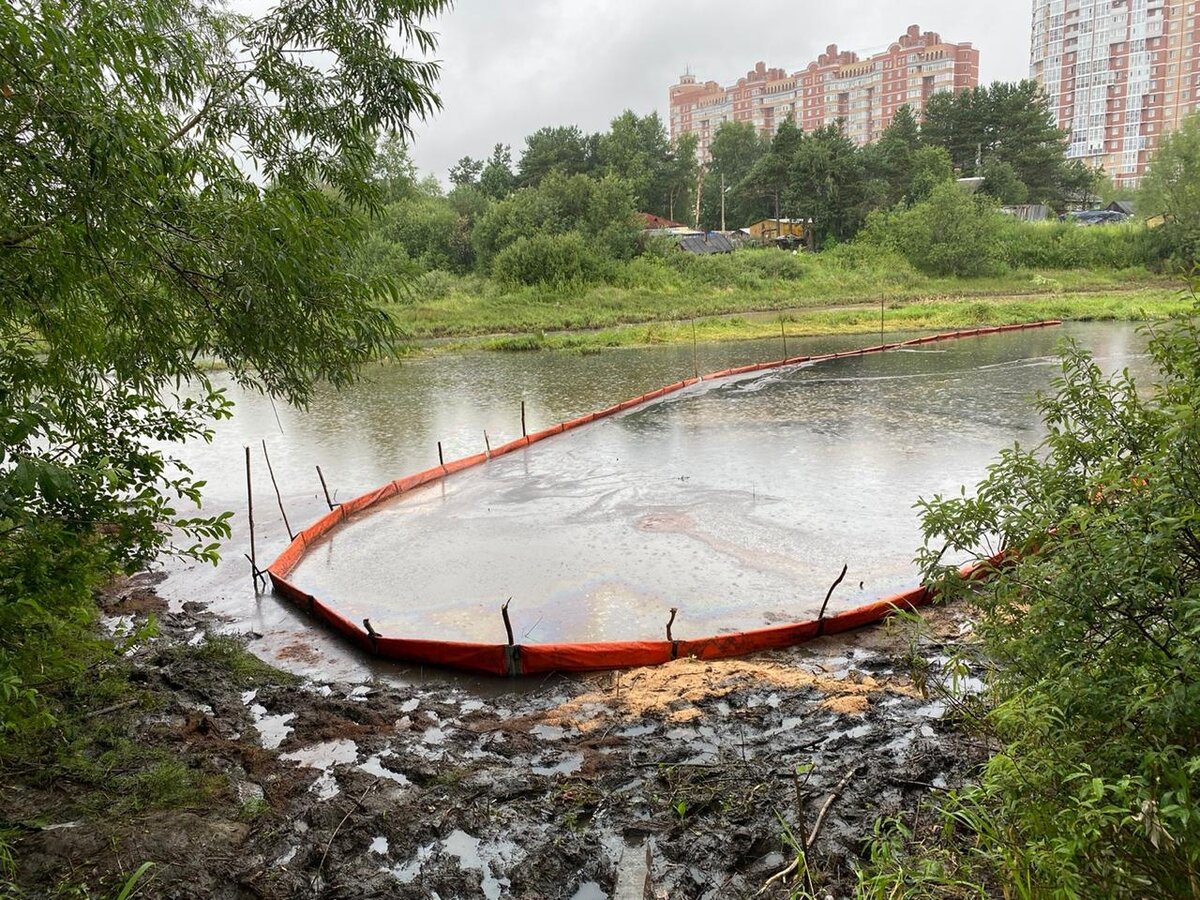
column 1094, row 634
column 550, row 259
column 1065, row 245
column 951, row 233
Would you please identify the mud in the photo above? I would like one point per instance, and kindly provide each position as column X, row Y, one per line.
column 677, row 782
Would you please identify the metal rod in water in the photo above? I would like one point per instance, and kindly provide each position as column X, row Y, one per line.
column 250, row 515
column 278, row 496
column 325, row 488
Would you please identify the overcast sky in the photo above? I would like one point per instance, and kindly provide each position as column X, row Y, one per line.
column 510, row 67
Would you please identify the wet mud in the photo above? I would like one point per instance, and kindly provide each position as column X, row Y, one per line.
column 693, row 780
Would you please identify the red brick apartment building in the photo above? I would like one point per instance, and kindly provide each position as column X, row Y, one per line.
column 1119, row 73
column 837, row 85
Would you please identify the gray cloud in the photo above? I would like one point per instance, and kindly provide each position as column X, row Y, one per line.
column 512, row 66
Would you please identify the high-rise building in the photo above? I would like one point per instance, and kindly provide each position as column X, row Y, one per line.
column 838, row 85
column 1119, row 74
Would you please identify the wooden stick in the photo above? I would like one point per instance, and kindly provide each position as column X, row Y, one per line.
column 837, row 791
column 250, row 515
column 441, row 458
column 783, row 334
column 278, row 496
column 695, row 358
column 487, row 444
column 524, row 433
column 671, row 622
column 832, row 588
column 357, row 805
column 325, row 488
column 507, row 623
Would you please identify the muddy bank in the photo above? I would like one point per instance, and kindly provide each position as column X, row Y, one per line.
column 694, row 780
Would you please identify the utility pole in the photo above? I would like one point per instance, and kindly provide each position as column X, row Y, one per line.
column 722, row 201
column 699, row 191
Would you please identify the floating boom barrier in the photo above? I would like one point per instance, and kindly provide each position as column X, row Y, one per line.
column 514, row 659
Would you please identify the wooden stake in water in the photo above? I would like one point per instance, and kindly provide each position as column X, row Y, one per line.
column 524, row 433
column 487, row 444
column 278, row 496
column 250, row 516
column 881, row 322
column 325, row 488
column 441, row 458
column 695, row 358
column 783, row 334
column 507, row 623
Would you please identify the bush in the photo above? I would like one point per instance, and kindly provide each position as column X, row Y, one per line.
column 1094, row 633
column 1063, row 245
column 550, row 259
column 951, row 233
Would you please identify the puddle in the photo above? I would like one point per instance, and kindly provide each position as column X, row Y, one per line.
column 380, row 846
column 433, row 735
column 589, row 890
column 566, row 766
column 287, row 857
column 326, row 755
column 638, row 731
column 407, row 873
column 548, row 732
column 468, row 851
column 374, row 766
column 272, row 729
column 410, row 705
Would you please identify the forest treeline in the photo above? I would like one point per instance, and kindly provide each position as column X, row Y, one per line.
column 565, row 210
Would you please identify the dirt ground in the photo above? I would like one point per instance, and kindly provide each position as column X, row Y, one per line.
column 693, row 780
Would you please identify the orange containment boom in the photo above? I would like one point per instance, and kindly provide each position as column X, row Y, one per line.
column 536, row 659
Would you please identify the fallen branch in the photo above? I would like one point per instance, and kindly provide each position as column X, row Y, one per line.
column 837, row 791
column 355, row 808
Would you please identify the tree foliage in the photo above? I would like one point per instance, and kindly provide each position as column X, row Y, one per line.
column 1171, row 189
column 178, row 183
column 1094, row 633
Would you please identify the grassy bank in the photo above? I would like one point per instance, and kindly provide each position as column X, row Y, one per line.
column 1134, row 304
column 743, row 296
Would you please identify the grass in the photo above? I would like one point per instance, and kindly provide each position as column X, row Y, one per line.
column 899, row 315
column 653, row 300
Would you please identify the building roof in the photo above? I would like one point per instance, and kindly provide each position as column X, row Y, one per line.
column 649, row 220
column 713, row 242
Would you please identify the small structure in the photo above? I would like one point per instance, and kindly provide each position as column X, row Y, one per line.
column 703, row 243
column 659, row 225
column 1028, row 212
column 1128, row 207
column 768, row 230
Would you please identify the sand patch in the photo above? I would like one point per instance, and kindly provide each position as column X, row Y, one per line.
column 675, row 692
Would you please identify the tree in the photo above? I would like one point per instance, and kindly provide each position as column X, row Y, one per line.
column 890, row 159
column 179, row 182
column 929, row 167
column 734, row 150
column 1001, row 182
column 466, row 171
column 827, row 184
column 497, row 179
column 1171, row 189
column 601, row 210
column 1002, row 123
column 771, row 173
column 565, row 150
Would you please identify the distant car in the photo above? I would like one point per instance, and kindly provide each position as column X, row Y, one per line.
column 1088, row 217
